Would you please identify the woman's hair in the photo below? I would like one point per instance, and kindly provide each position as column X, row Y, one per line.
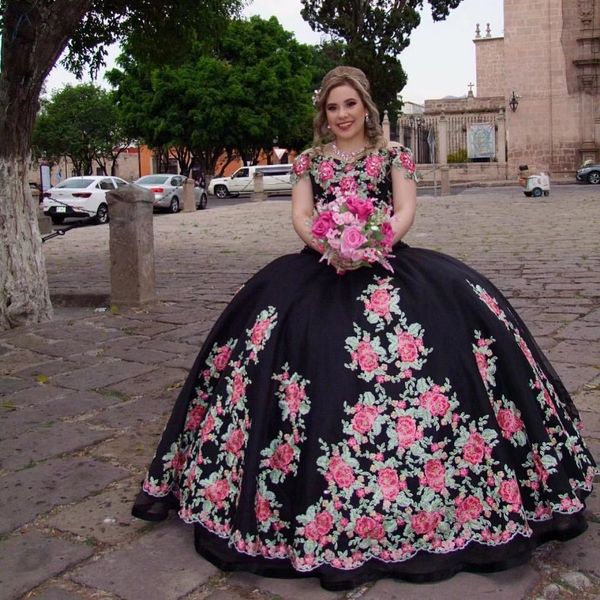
column 356, row 79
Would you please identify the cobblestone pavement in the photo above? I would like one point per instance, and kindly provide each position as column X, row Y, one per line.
column 84, row 398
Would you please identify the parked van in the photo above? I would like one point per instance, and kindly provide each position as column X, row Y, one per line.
column 276, row 178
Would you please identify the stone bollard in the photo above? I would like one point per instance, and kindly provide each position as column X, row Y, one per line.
column 131, row 246
column 258, row 195
column 189, row 200
column 445, row 180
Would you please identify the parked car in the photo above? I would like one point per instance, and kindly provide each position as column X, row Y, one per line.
column 276, row 178
column 589, row 172
column 80, row 197
column 168, row 191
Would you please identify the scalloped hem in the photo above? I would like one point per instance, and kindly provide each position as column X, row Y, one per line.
column 424, row 567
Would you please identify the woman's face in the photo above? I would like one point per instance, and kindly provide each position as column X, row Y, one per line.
column 345, row 113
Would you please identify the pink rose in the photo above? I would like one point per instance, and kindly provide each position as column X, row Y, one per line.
column 217, row 492
column 222, row 357
column 348, row 185
column 361, row 207
column 508, row 421
column 363, row 419
column 379, row 302
column 388, row 233
column 282, row 457
column 474, row 449
column 293, row 396
column 367, row 357
column 491, row 303
column 352, row 239
column 324, row 522
column 435, row 474
column 435, row 402
column 259, row 330
column 178, row 461
column 482, row 364
column 341, row 472
column 209, row 425
column 387, row 479
column 510, row 493
column 262, row 508
column 367, row 527
column 425, row 522
column 326, row 171
column 235, row 441
column 406, row 430
column 468, row 509
column 322, row 225
column 195, row 417
column 373, row 165
column 238, row 388
column 407, row 162
column 301, row 164
column 311, row 531
column 408, row 347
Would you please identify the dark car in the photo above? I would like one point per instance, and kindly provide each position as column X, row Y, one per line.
column 588, row 173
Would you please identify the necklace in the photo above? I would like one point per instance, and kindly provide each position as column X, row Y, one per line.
column 347, row 156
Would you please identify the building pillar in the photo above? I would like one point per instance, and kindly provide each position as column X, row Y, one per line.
column 501, row 138
column 386, row 125
column 443, row 139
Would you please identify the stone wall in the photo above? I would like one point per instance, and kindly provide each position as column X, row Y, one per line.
column 555, row 119
column 489, row 53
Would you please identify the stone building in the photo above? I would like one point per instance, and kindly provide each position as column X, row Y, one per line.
column 538, row 85
column 550, row 58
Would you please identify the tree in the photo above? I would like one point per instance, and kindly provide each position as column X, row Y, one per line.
column 34, row 34
column 83, row 123
column 253, row 88
column 375, row 33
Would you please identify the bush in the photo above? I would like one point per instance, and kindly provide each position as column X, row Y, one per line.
column 460, row 156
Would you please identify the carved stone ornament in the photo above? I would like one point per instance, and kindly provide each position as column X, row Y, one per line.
column 586, row 12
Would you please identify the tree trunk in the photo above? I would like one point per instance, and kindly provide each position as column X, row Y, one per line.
column 23, row 283
column 33, row 36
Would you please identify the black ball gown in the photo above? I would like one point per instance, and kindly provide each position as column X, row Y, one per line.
column 372, row 424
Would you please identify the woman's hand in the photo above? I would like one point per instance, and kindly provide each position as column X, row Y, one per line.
column 342, row 265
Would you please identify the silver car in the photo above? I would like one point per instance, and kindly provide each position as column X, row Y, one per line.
column 168, row 191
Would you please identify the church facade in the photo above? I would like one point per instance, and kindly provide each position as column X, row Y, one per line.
column 546, row 68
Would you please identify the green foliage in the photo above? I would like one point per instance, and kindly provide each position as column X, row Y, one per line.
column 460, row 156
column 81, row 122
column 375, row 33
column 162, row 30
column 254, row 88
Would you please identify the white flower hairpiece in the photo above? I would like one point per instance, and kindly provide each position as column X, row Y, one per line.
column 315, row 96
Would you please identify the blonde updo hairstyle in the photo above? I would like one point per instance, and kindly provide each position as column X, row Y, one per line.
column 356, row 79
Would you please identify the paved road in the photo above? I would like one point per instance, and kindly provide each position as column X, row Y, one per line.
column 84, row 397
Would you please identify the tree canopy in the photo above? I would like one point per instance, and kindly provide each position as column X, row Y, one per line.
column 374, row 33
column 81, row 122
column 252, row 90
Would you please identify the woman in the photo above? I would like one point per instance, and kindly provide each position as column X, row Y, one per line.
column 372, row 423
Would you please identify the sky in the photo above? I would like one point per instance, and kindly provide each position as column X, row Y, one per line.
column 440, row 60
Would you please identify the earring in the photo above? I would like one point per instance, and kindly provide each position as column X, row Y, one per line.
column 328, row 126
column 367, row 117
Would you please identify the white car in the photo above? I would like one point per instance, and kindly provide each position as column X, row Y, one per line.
column 168, row 191
column 80, row 197
column 276, row 178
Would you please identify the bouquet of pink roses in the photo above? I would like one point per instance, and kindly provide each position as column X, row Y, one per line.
column 353, row 232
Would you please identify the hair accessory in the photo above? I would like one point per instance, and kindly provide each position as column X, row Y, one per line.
column 347, row 156
column 315, row 96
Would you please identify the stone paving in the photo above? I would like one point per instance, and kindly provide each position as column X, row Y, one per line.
column 84, row 398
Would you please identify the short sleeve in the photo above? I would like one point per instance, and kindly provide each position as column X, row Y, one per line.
column 300, row 167
column 402, row 159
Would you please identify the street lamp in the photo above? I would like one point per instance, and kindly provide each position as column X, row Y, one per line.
column 513, row 103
